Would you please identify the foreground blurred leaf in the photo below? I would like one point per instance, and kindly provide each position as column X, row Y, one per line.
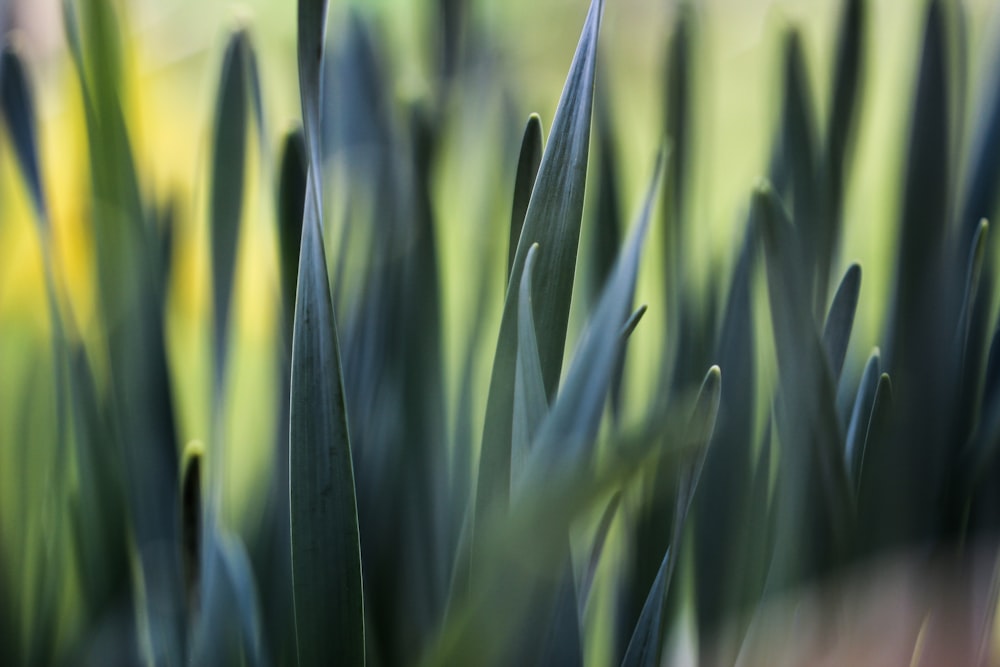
column 553, row 221
column 228, row 171
column 815, row 503
column 19, row 113
column 857, row 428
column 645, row 645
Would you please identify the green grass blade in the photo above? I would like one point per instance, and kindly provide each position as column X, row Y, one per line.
column 840, row 321
column 876, row 464
column 326, row 556
column 567, row 434
column 596, row 550
column 553, row 221
column 719, row 518
column 530, row 403
column 977, row 256
column 816, row 504
column 229, row 150
column 644, row 646
column 19, row 113
column 857, row 427
column 645, row 643
column 527, row 169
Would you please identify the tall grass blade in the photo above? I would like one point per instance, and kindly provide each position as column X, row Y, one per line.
column 857, row 428
column 228, row 174
column 553, row 221
column 644, row 646
column 840, row 321
column 567, row 434
column 815, row 503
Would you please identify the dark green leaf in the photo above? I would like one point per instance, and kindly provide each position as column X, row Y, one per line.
column 816, row 505
column 553, row 221
column 527, row 169
column 291, row 203
column 568, row 432
column 977, row 254
column 19, row 113
column 530, row 403
column 326, row 556
column 311, row 32
column 228, row 173
column 857, row 428
column 596, row 549
column 876, row 463
column 840, row 321
column 644, row 646
column 844, row 103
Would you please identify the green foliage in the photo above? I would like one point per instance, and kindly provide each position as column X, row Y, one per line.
column 387, row 533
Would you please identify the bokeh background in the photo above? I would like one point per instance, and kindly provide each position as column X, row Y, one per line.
column 516, row 55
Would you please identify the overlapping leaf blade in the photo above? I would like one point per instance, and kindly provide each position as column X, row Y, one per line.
column 553, row 221
column 527, row 169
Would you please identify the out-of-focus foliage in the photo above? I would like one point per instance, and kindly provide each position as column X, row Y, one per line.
column 382, row 388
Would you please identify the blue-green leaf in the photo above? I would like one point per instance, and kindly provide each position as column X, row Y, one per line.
column 228, row 171
column 857, row 428
column 530, row 403
column 568, row 432
column 840, row 321
column 553, row 221
column 326, row 554
column 19, row 113
column 644, row 646
column 527, row 169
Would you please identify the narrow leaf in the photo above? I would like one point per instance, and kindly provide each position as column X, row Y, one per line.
column 530, row 403
column 326, row 556
column 568, row 432
column 840, row 320
column 527, row 169
column 228, row 171
column 19, row 113
column 857, row 428
column 644, row 646
column 553, row 221
column 596, row 549
column 311, row 32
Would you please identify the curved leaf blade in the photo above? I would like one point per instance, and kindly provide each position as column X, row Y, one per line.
column 228, row 170
column 527, row 169
column 840, row 321
column 530, row 403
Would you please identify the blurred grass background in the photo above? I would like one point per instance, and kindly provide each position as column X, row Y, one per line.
column 172, row 52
